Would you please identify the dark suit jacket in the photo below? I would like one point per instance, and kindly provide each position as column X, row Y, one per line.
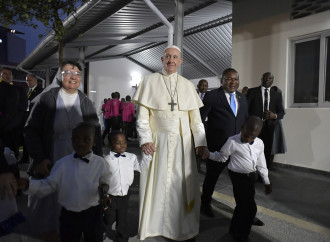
column 222, row 122
column 34, row 93
column 255, row 102
column 273, row 135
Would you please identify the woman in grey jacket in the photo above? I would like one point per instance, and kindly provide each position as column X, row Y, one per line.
column 47, row 135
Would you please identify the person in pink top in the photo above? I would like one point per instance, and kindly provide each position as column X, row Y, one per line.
column 115, row 111
column 104, row 113
column 128, row 112
column 107, row 116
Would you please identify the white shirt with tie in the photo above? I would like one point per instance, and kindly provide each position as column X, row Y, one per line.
column 121, row 172
column 263, row 97
column 75, row 181
column 228, row 99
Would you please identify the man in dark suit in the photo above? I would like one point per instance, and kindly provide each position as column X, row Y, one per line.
column 14, row 138
column 33, row 91
column 202, row 87
column 266, row 103
column 227, row 111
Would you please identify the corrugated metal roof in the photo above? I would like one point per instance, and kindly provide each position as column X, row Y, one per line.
column 128, row 28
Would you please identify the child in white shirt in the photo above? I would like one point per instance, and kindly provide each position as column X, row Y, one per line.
column 246, row 152
column 77, row 178
column 122, row 165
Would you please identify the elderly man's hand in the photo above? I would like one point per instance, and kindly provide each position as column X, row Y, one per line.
column 202, row 152
column 43, row 168
column 148, row 148
column 7, row 185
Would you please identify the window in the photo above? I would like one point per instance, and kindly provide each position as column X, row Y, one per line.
column 311, row 71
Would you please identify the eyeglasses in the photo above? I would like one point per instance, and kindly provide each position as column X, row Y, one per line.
column 71, row 73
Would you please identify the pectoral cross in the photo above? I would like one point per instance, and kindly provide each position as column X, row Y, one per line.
column 172, row 103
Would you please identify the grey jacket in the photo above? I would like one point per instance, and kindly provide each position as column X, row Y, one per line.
column 38, row 130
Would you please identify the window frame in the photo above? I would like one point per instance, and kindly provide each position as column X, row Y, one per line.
column 322, row 69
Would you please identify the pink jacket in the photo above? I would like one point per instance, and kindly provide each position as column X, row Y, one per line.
column 127, row 111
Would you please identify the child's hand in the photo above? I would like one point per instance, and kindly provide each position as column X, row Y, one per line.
column 268, row 189
column 105, row 201
column 22, row 183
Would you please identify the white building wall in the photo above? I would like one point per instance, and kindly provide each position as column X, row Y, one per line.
column 261, row 43
column 110, row 76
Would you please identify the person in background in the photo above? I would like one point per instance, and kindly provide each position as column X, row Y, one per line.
column 266, row 103
column 103, row 113
column 202, row 87
column 48, row 133
column 246, row 152
column 128, row 111
column 32, row 92
column 14, row 138
column 107, row 113
column 115, row 111
column 245, row 90
column 171, row 133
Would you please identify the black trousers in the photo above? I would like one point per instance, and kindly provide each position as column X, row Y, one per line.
column 115, row 123
column 213, row 170
column 117, row 212
column 246, row 208
column 267, row 135
column 88, row 222
column 107, row 128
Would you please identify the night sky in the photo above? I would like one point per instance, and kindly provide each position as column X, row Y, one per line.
column 31, row 35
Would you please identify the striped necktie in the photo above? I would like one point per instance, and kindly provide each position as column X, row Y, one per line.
column 29, row 93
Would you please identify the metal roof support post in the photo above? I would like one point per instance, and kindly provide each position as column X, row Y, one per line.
column 163, row 19
column 83, row 87
column 178, row 27
column 47, row 76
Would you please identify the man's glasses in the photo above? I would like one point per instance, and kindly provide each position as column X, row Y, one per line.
column 71, row 73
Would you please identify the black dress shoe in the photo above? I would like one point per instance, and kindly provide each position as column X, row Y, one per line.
column 257, row 222
column 207, row 210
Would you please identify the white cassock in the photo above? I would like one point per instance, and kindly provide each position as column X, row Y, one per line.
column 169, row 189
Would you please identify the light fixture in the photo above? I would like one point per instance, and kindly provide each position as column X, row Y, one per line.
column 135, row 79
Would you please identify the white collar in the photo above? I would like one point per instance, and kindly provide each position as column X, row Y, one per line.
column 169, row 75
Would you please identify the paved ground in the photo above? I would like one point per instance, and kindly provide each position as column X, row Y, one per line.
column 297, row 210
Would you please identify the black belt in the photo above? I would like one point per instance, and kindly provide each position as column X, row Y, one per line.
column 252, row 175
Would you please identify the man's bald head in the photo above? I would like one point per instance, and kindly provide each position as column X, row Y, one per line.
column 31, row 80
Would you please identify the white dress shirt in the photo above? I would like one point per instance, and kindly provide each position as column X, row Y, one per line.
column 75, row 180
column 263, row 96
column 121, row 172
column 244, row 157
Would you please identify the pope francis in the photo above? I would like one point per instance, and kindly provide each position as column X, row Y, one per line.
column 169, row 127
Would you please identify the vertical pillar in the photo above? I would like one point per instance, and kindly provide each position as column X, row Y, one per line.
column 47, row 77
column 84, row 82
column 178, row 27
